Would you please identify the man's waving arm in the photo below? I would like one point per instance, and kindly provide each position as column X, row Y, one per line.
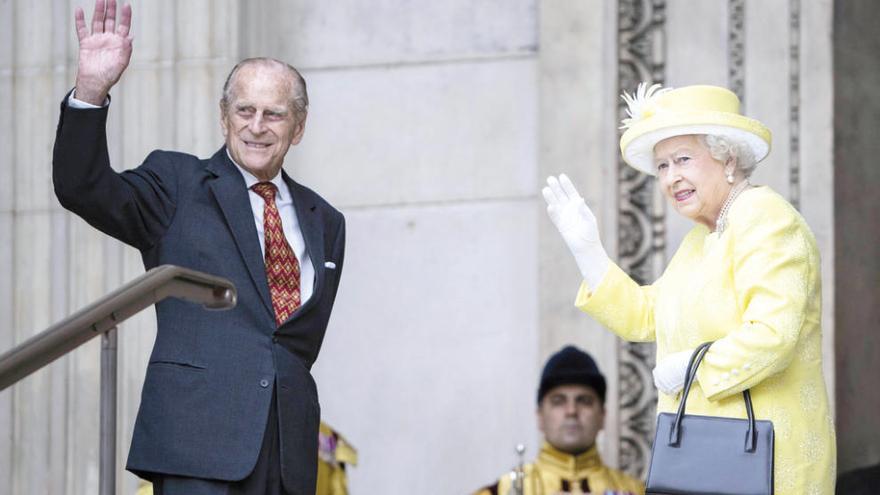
column 135, row 207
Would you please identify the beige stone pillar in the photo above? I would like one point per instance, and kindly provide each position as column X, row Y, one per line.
column 54, row 263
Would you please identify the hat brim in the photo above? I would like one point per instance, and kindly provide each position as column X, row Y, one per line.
column 637, row 143
column 594, row 381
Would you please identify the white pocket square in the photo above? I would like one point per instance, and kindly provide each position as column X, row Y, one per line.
column 329, row 264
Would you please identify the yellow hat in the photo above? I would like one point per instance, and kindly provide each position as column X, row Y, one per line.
column 657, row 113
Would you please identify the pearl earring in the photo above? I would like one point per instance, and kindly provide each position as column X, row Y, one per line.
column 730, row 178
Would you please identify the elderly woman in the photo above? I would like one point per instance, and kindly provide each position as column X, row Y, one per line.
column 746, row 277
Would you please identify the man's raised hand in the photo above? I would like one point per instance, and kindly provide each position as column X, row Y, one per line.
column 104, row 52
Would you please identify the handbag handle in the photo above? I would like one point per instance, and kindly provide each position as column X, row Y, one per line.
column 751, row 440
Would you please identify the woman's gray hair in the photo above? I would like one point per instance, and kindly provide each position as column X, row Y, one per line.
column 723, row 148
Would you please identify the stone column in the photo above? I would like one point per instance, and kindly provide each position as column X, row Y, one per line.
column 55, row 263
column 34, row 415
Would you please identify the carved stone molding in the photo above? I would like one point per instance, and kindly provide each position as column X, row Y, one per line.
column 794, row 102
column 736, row 41
column 641, row 230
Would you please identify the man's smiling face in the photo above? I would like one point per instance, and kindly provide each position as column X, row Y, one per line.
column 259, row 122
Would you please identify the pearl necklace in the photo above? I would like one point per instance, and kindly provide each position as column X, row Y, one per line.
column 735, row 191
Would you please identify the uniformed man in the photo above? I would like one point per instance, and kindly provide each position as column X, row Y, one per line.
column 571, row 412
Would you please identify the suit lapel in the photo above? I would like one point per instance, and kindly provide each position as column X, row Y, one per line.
column 312, row 228
column 231, row 194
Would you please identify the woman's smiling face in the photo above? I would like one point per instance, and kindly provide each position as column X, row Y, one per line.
column 694, row 182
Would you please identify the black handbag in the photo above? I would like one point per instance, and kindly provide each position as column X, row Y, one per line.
column 710, row 455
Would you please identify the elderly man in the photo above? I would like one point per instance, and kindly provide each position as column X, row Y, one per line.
column 228, row 404
column 571, row 412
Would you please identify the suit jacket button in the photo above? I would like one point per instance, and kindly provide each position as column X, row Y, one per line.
column 275, row 340
column 264, row 383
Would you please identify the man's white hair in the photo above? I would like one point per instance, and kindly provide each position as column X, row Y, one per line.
column 299, row 97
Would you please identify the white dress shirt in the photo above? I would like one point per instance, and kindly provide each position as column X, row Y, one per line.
column 289, row 223
column 284, row 203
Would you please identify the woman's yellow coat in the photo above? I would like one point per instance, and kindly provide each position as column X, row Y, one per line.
column 755, row 291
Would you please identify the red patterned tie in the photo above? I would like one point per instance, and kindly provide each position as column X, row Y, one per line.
column 282, row 267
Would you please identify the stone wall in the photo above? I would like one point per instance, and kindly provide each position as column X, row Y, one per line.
column 432, row 126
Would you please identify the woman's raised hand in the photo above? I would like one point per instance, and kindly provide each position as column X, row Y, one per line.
column 577, row 225
column 104, row 53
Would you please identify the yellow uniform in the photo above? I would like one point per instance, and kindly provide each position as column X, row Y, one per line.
column 556, row 472
column 334, row 454
column 755, row 290
column 144, row 488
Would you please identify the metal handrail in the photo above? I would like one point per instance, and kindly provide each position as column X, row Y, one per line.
column 101, row 318
column 107, row 312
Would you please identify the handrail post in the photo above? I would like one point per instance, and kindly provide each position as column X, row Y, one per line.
column 107, row 471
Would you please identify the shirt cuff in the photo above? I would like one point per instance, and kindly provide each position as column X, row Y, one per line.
column 74, row 103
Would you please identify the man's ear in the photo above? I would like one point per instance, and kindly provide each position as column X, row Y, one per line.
column 224, row 123
column 299, row 130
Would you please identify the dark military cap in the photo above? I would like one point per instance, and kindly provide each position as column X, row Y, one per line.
column 571, row 366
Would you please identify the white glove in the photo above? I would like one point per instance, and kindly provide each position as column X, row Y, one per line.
column 669, row 374
column 578, row 227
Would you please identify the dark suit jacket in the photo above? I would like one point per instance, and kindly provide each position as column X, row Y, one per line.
column 210, row 377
